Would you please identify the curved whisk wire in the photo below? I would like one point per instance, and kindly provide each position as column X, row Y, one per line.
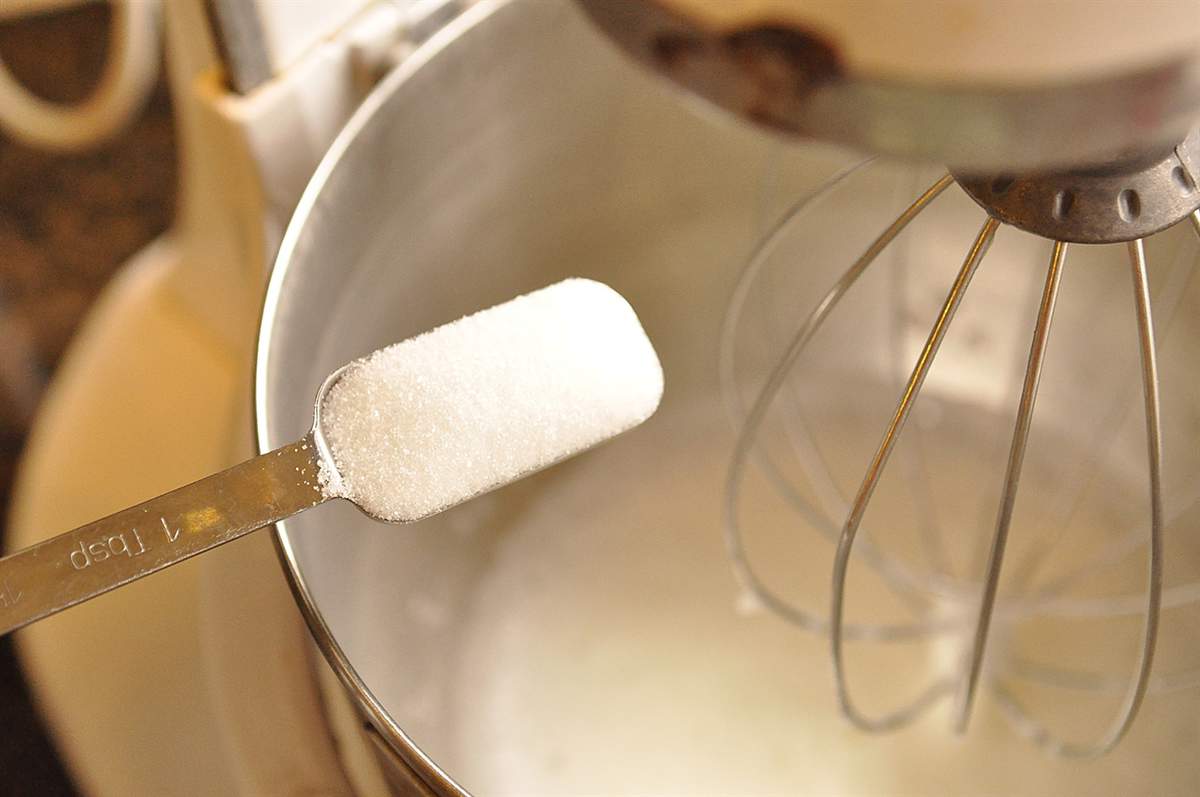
column 1018, row 716
column 749, row 428
column 870, row 481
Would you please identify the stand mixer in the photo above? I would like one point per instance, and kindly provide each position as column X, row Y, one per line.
column 554, row 641
column 1024, row 151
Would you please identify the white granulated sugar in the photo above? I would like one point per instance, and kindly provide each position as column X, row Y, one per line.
column 472, row 405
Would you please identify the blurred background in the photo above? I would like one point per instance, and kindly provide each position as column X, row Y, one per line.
column 67, row 222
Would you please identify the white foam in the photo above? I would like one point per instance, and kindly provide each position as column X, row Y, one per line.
column 472, row 405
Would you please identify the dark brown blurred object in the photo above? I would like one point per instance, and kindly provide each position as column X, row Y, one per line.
column 66, row 225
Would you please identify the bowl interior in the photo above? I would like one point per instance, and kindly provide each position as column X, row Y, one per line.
column 579, row 631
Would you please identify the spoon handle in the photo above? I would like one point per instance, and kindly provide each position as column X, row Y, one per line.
column 78, row 565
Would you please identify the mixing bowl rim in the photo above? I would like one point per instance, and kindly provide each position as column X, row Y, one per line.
column 409, row 753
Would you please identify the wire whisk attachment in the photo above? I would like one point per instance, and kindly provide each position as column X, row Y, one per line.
column 805, row 389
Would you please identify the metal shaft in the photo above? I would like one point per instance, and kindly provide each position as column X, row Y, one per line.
column 875, row 470
column 1012, row 478
column 79, row 565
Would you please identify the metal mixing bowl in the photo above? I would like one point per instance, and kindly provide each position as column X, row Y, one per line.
column 576, row 631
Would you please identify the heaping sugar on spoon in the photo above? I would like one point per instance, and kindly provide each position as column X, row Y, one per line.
column 434, row 420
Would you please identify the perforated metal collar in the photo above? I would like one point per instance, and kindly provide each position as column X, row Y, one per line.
column 1120, row 202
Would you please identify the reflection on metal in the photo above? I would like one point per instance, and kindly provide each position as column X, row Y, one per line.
column 93, row 559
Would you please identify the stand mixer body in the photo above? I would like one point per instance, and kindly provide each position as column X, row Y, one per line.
column 976, row 86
